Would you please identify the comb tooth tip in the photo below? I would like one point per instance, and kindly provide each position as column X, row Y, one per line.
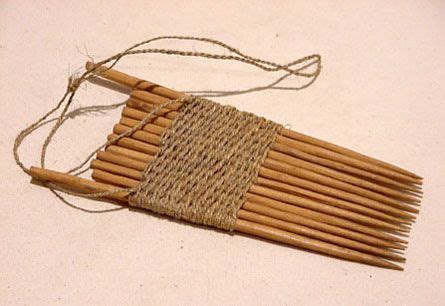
column 398, row 247
column 390, row 265
column 398, row 268
column 383, row 263
column 398, row 259
column 405, row 229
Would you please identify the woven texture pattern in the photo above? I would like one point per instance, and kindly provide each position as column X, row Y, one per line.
column 207, row 162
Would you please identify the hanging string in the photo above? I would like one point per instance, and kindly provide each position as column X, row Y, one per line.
column 75, row 82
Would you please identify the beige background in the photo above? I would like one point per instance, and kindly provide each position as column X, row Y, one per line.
column 380, row 92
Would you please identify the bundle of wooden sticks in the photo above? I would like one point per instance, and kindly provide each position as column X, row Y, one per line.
column 309, row 193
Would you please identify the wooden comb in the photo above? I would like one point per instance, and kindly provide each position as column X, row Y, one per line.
column 309, row 193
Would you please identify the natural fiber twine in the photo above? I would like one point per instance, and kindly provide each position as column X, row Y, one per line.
column 206, row 163
column 193, row 163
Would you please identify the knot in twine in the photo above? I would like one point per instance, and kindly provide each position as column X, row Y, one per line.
column 74, row 83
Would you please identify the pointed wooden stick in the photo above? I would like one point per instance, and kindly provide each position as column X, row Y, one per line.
column 335, row 202
column 339, row 184
column 271, row 233
column 158, row 130
column 133, row 82
column 335, row 148
column 137, row 101
column 321, row 152
column 113, row 164
column 126, row 153
column 303, row 165
column 138, row 110
column 276, row 165
column 277, row 199
column 347, row 178
column 304, row 201
column 132, row 179
column 284, row 221
column 338, row 251
column 122, row 160
column 307, row 170
column 105, row 156
column 309, row 148
column 327, row 223
column 295, row 181
column 349, row 188
column 342, row 167
column 305, row 147
column 293, row 198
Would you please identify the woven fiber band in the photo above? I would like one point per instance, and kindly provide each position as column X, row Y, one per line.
column 206, row 163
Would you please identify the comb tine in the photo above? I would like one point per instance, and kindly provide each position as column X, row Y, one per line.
column 275, row 175
column 139, row 115
column 332, row 158
column 347, row 152
column 156, row 89
column 341, row 176
column 285, row 237
column 115, row 169
column 125, row 161
column 251, row 213
column 273, row 233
